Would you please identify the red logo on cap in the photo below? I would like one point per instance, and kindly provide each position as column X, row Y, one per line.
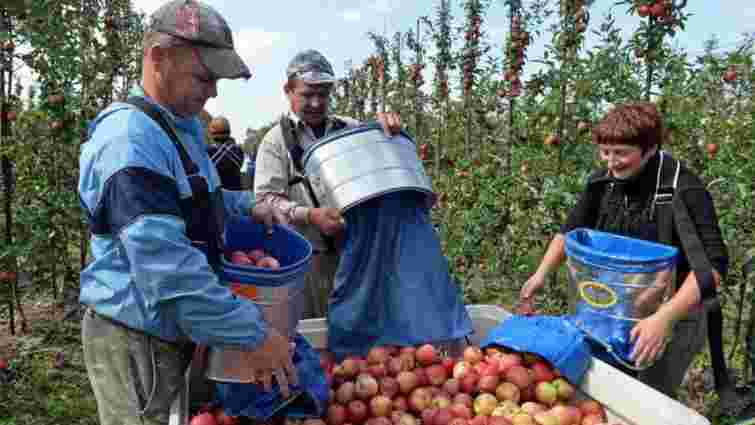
column 187, row 20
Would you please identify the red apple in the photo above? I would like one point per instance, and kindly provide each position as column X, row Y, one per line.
column 336, row 414
column 533, row 408
column 546, row 418
column 436, row 375
column 204, row 419
column 469, row 383
column 443, row 417
column 451, row 386
column 349, row 368
column 508, row 391
column 519, row 376
column 394, row 366
column 406, row 419
column 428, row 416
column 357, row 411
column 448, row 363
column 592, row 419
column 441, row 401
column 589, row 407
column 366, row 386
column 463, row 411
column 377, row 370
column 408, row 350
column 426, row 355
column 498, row 420
column 488, row 383
column 546, row 393
column 388, row 386
column 268, row 263
column 479, row 420
column 484, row 404
column 464, row 398
column 564, row 389
column 380, row 406
column 461, row 368
column 542, row 372
column 256, row 254
column 507, row 361
column 472, row 354
column 400, row 404
column 346, row 392
column 419, row 400
column 378, row 355
column 422, row 378
column 407, row 381
column 523, row 419
column 240, row 257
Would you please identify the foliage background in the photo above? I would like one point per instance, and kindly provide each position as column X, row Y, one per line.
column 507, row 156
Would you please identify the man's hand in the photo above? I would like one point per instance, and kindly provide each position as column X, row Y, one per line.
column 391, row 123
column 328, row 220
column 273, row 359
column 265, row 213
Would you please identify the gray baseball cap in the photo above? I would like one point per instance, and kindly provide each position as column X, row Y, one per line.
column 203, row 27
column 311, row 67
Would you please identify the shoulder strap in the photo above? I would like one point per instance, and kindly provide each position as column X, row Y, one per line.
column 151, row 111
column 661, row 206
column 674, row 214
column 291, row 140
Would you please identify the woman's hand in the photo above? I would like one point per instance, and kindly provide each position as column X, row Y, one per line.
column 649, row 336
column 530, row 287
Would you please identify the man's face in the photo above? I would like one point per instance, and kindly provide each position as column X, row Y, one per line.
column 310, row 101
column 187, row 84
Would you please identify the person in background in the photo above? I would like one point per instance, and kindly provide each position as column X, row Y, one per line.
column 309, row 83
column 155, row 209
column 250, row 156
column 226, row 154
column 620, row 200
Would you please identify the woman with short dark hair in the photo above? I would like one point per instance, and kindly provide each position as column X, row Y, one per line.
column 622, row 199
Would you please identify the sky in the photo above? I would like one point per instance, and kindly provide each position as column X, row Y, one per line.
column 268, row 34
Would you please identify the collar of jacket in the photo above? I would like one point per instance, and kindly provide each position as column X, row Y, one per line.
column 186, row 124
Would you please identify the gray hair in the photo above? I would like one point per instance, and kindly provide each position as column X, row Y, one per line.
column 166, row 41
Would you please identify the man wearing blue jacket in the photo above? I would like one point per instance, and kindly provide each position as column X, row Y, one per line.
column 156, row 210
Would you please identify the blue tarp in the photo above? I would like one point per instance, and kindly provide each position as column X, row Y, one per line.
column 552, row 337
column 252, row 401
column 393, row 284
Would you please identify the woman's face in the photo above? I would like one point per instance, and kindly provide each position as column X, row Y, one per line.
column 623, row 161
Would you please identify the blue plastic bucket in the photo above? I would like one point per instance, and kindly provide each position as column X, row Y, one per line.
column 616, row 281
column 278, row 293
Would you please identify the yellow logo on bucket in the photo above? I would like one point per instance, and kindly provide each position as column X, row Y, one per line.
column 598, row 295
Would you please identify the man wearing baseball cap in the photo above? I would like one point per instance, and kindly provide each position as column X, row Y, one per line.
column 309, row 82
column 156, row 209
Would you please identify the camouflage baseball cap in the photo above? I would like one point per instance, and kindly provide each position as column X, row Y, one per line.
column 204, row 28
column 311, row 67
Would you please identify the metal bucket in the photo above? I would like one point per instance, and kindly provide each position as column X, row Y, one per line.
column 279, row 294
column 615, row 282
column 353, row 166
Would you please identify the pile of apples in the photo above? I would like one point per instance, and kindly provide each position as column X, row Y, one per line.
column 256, row 258
column 419, row 386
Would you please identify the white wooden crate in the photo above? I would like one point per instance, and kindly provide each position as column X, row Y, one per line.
column 627, row 400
